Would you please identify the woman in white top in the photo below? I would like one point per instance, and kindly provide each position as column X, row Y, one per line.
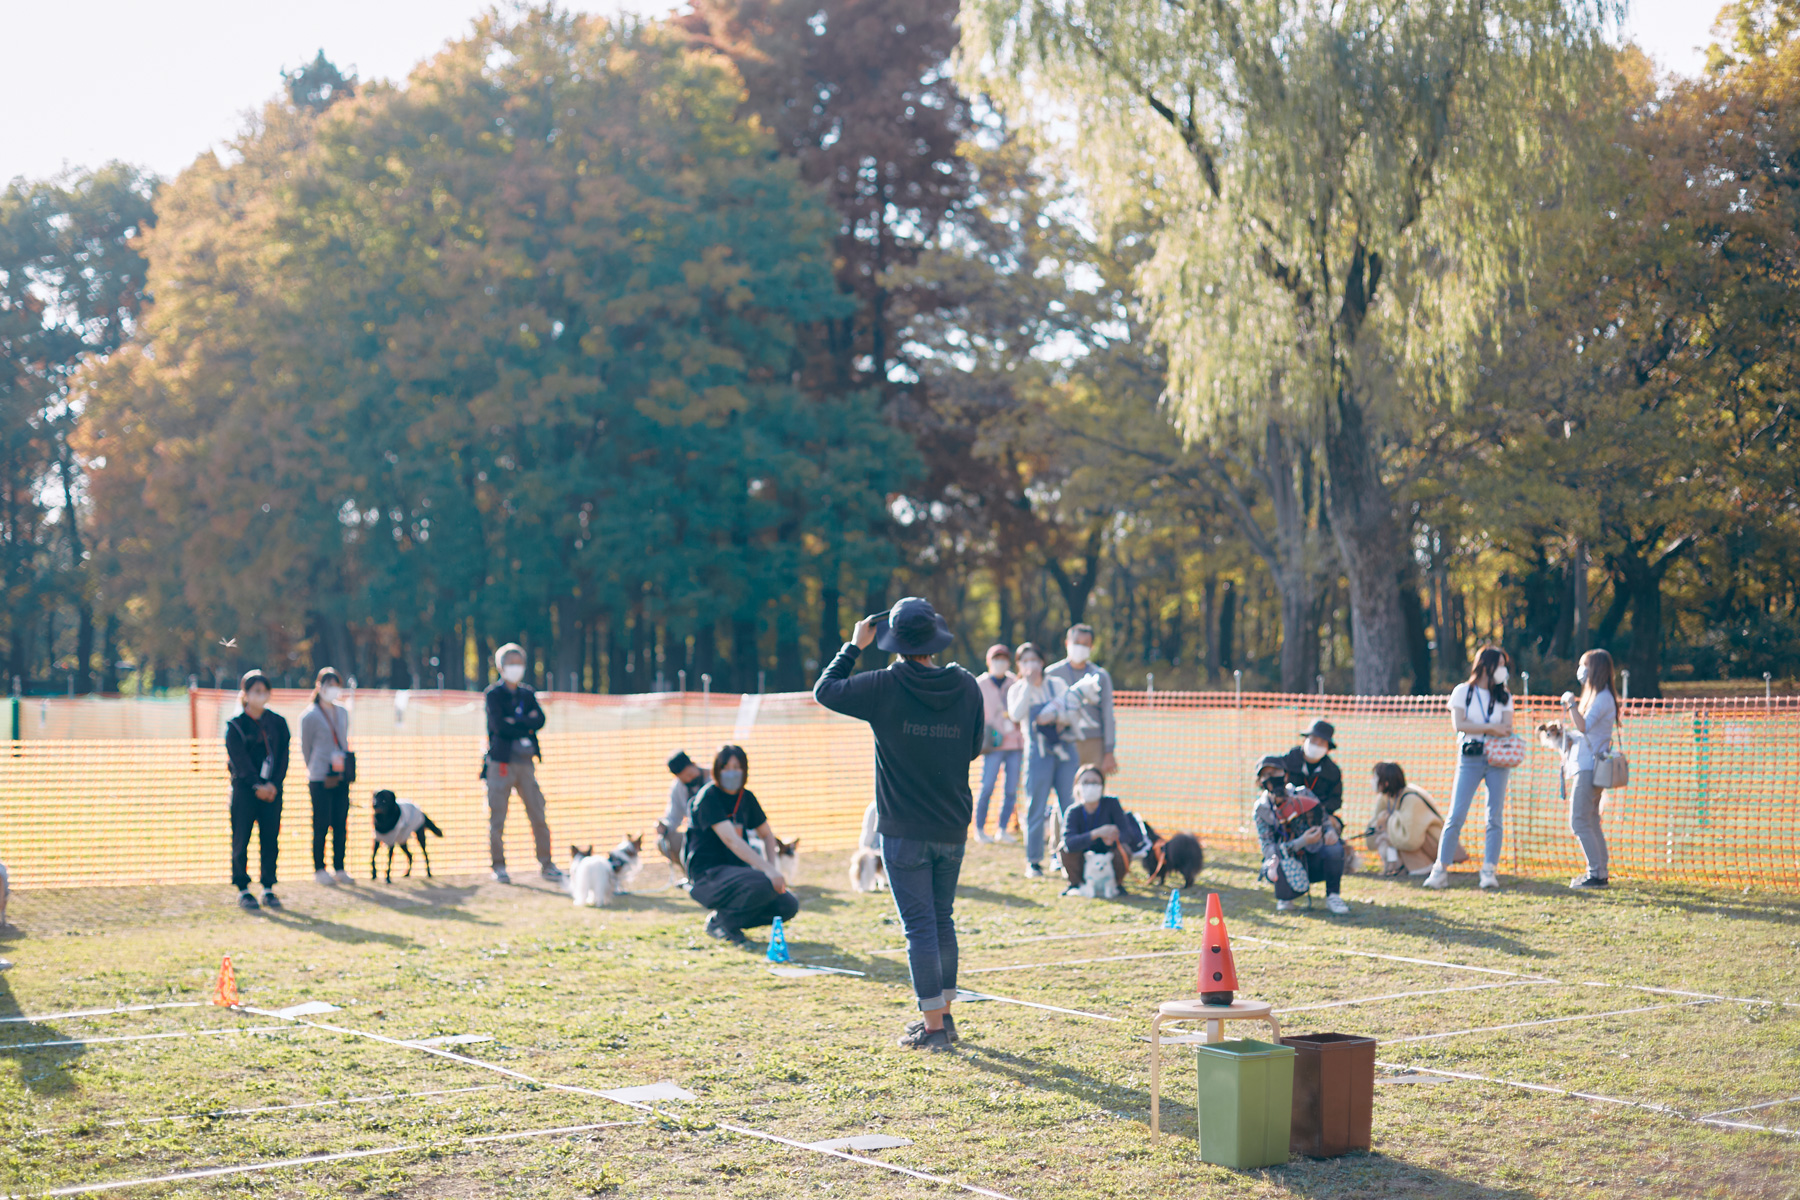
column 1588, row 738
column 1038, row 704
column 1480, row 709
column 324, row 740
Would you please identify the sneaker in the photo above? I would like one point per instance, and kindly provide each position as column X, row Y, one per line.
column 1072, row 890
column 500, row 875
column 341, row 875
column 1490, row 880
column 247, row 902
column 949, row 1026
column 1005, row 837
column 323, row 877
column 1034, row 870
column 1336, row 907
column 1284, row 906
column 1588, row 881
column 270, row 900
column 1439, row 878
column 921, row 1038
column 716, row 927
column 982, row 837
column 552, row 872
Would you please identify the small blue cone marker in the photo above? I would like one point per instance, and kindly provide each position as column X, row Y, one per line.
column 1172, row 915
column 778, row 951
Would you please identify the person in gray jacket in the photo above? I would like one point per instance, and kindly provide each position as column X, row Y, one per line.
column 325, row 747
column 1093, row 727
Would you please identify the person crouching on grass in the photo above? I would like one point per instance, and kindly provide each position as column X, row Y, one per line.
column 741, row 886
column 256, row 751
column 928, row 725
column 1092, row 825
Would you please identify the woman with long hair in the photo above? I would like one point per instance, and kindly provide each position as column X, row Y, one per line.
column 1480, row 708
column 1592, row 719
column 325, row 749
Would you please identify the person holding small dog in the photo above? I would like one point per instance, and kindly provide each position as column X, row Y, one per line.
column 514, row 717
column 1586, row 738
column 1295, row 859
column 1045, row 707
column 1092, row 720
column 1480, row 708
column 740, row 884
column 690, row 777
column 324, row 742
column 1095, row 823
column 256, row 754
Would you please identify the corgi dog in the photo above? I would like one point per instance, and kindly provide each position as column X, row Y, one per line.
column 867, row 872
column 396, row 821
column 593, row 881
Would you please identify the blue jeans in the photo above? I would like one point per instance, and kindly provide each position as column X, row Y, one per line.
column 1471, row 769
column 1042, row 773
column 991, row 763
column 923, row 878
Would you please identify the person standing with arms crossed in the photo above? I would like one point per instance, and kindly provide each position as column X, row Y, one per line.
column 514, row 717
column 928, row 725
column 1094, row 729
column 256, row 751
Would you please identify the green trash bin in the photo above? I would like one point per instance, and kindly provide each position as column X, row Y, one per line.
column 1246, row 1103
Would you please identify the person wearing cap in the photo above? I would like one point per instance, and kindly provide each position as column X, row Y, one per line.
column 928, row 724
column 690, row 777
column 1093, row 722
column 256, row 754
column 1294, row 861
column 514, row 717
column 1310, row 765
column 1002, row 744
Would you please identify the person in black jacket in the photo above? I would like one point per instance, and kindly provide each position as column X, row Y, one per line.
column 928, row 728
column 1310, row 765
column 256, row 754
column 513, row 720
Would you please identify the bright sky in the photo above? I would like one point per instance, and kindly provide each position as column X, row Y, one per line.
column 155, row 82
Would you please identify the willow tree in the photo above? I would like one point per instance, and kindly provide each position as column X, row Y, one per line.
column 1344, row 190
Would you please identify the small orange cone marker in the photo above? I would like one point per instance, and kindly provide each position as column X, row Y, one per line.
column 1218, row 974
column 225, row 990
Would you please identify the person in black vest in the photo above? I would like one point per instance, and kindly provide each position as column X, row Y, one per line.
column 1310, row 766
column 256, row 754
column 928, row 724
column 725, row 873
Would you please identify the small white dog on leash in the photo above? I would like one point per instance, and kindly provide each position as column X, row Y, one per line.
column 594, row 881
column 867, row 872
column 1098, row 882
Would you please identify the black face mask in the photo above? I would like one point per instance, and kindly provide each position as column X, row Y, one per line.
column 1276, row 783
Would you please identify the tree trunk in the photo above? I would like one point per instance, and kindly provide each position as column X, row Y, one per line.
column 109, row 654
column 790, row 676
column 1578, row 581
column 565, row 651
column 831, row 632
column 746, row 659
column 1215, row 662
column 84, row 646
column 875, row 600
column 1076, row 589
column 617, row 681
column 1228, row 628
column 1368, row 542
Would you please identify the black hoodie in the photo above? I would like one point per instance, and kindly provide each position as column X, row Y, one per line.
column 928, row 729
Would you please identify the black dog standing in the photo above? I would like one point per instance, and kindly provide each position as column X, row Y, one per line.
column 396, row 821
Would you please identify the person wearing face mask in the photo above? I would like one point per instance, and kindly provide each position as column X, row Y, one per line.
column 1311, row 766
column 728, row 875
column 324, row 747
column 1002, row 744
column 513, row 720
column 1096, row 822
column 1041, row 705
column 1093, row 722
column 1300, row 844
column 256, row 753
column 690, row 777
column 1586, row 738
column 1480, row 708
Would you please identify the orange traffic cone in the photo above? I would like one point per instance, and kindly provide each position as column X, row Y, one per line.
column 225, row 990
column 1218, row 974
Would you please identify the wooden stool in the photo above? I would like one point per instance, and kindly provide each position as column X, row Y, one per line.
column 1215, row 1016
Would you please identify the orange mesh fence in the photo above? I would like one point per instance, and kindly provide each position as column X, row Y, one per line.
column 1712, row 797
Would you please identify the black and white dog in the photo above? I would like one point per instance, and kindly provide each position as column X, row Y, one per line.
column 868, row 873
column 396, row 821
column 594, row 881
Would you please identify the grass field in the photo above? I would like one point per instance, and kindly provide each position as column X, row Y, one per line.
column 1035, row 1104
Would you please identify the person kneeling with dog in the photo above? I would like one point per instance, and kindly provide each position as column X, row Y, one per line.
column 725, row 874
column 1097, row 824
column 1300, row 842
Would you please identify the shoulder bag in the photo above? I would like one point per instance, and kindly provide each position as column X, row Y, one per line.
column 1505, row 752
column 347, row 776
column 1612, row 772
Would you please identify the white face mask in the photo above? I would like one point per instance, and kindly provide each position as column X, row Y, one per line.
column 1079, row 654
column 330, row 692
column 1581, row 673
column 1501, row 675
column 1030, row 665
column 512, row 672
column 999, row 666
column 1090, row 793
column 1313, row 750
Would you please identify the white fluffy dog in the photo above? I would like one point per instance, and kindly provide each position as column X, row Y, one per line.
column 867, row 872
column 594, row 881
column 1098, row 882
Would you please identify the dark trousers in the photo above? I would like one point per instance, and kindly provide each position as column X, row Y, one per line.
column 743, row 897
column 247, row 813
column 1075, row 865
column 1326, row 863
column 923, row 878
column 331, row 814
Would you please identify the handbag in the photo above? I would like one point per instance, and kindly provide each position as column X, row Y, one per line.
column 1612, row 771
column 347, row 776
column 1505, row 752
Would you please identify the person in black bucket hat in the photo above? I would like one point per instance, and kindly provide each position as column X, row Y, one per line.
column 1310, row 765
column 928, row 723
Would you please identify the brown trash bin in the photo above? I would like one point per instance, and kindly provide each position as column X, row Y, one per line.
column 1334, row 1093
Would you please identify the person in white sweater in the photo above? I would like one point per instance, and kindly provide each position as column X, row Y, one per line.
column 325, row 748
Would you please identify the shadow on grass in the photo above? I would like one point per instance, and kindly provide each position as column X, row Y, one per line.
column 349, row 935
column 434, row 900
column 44, row 1069
column 970, row 891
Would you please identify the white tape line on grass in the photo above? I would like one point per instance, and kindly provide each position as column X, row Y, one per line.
column 1473, row 987
column 1073, row 1012
column 1662, row 991
column 1618, row 1012
column 1423, row 962
column 1079, row 962
column 1048, row 937
column 100, row 1012
column 270, row 1108
column 1726, row 1112
column 312, row 1159
column 141, row 1037
column 641, row 1107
